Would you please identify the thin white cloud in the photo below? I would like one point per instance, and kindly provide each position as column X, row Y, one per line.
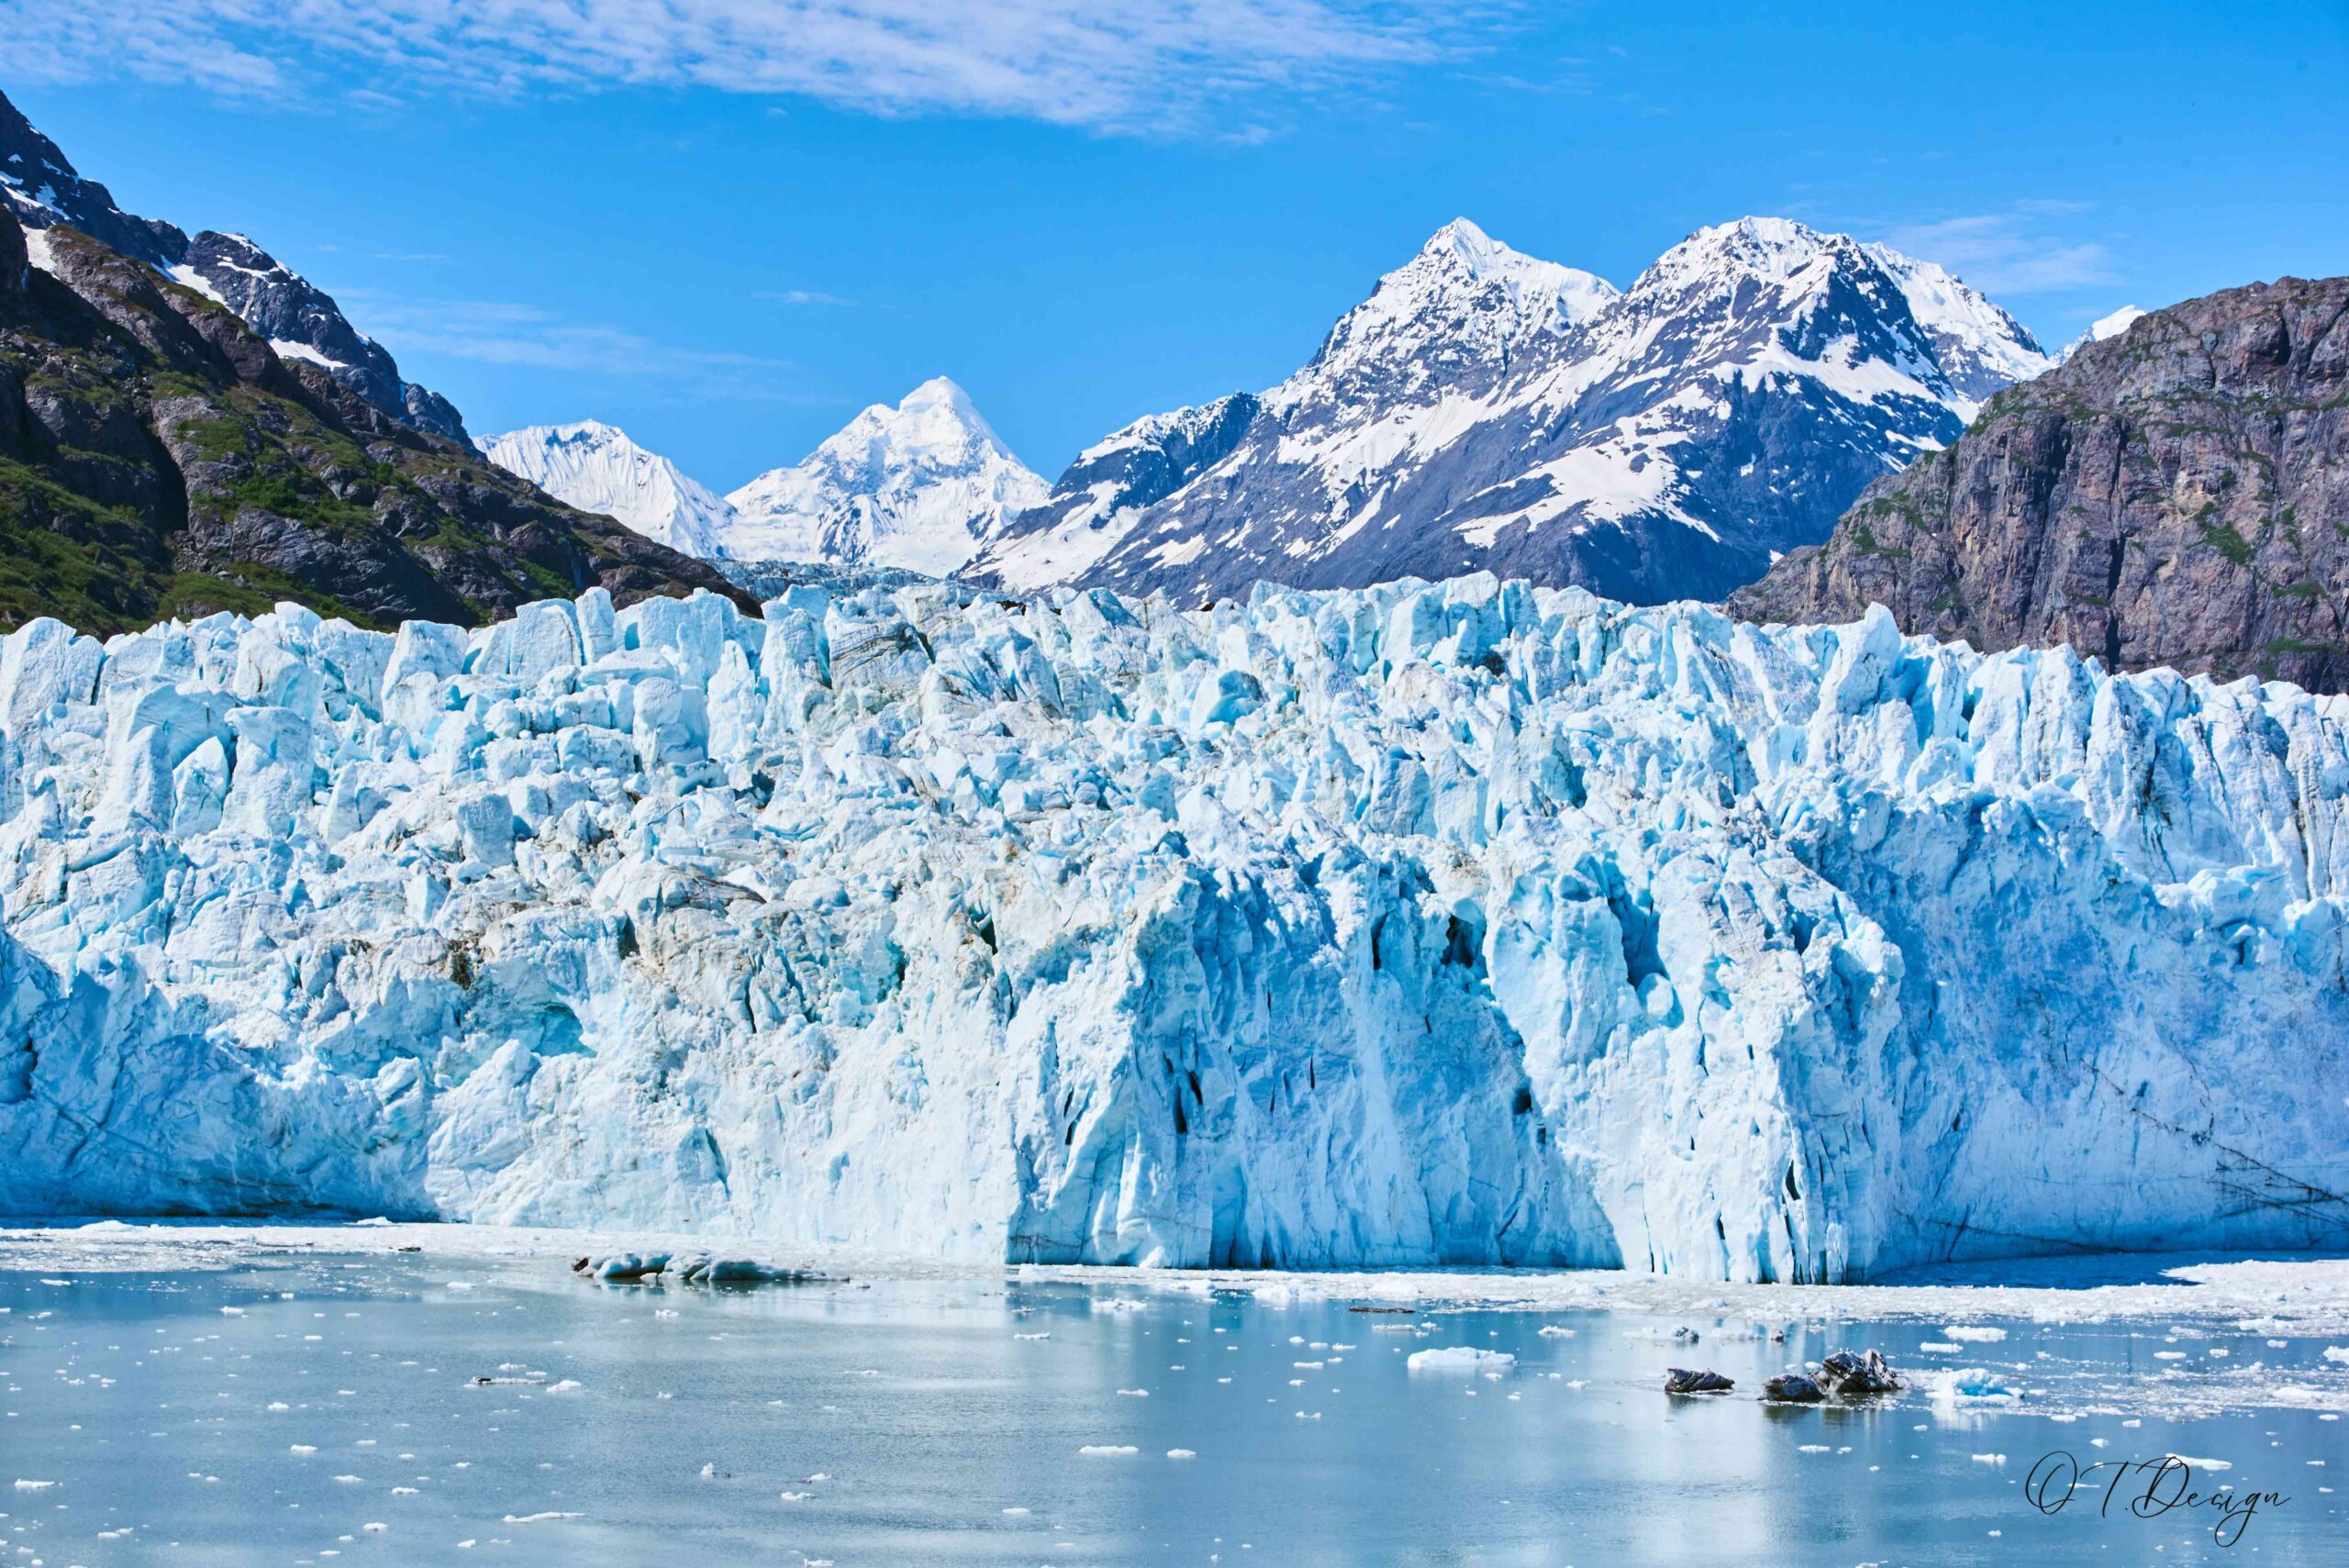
column 1147, row 65
column 500, row 332
column 2010, row 253
column 801, row 296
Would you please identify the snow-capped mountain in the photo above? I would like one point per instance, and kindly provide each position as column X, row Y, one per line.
column 918, row 487
column 2103, row 327
column 40, row 186
column 595, row 467
column 302, row 322
column 1486, row 409
column 1106, row 488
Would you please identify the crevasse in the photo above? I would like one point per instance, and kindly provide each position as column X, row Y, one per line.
column 1465, row 923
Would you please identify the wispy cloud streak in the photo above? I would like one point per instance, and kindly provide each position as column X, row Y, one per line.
column 2010, row 253
column 1148, row 66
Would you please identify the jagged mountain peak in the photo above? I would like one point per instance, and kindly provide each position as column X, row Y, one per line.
column 935, row 422
column 916, row 485
column 2115, row 324
column 1822, row 297
column 596, row 468
column 2103, row 327
column 40, row 187
column 1460, row 311
column 1461, row 244
column 1777, row 248
column 578, row 432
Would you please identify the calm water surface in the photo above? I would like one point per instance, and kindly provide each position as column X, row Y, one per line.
column 324, row 1412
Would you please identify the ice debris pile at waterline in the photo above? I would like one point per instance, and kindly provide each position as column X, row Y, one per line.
column 1410, row 925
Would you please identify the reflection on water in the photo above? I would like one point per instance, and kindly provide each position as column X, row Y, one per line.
column 329, row 1411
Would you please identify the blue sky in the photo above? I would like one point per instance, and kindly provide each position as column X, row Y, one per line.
column 727, row 226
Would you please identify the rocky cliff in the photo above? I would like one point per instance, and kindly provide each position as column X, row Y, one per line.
column 2175, row 495
column 160, row 458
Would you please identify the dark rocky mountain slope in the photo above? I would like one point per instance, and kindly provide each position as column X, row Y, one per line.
column 157, row 457
column 2176, row 495
column 40, row 186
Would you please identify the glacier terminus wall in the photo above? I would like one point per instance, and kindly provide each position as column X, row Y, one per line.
column 1464, row 923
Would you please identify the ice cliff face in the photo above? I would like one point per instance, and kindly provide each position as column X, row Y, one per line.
column 914, row 488
column 1465, row 923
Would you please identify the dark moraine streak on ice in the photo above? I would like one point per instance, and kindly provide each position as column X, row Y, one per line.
column 279, row 1412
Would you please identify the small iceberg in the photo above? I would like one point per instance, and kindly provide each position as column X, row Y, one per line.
column 1459, row 1358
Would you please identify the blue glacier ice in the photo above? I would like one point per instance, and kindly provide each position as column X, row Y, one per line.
column 1463, row 923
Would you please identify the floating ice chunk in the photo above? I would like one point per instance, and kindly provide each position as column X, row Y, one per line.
column 1458, row 1357
column 1107, row 1450
column 1981, row 1333
column 1181, row 1453
column 621, row 1266
column 706, row 1270
column 1974, row 1386
column 1555, row 1331
column 35, row 1485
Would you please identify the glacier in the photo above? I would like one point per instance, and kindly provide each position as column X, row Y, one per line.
column 1463, row 923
